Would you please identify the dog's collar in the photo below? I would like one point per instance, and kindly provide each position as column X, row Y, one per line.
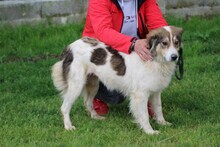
column 179, row 66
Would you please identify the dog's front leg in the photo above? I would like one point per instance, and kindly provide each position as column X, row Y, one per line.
column 138, row 107
column 157, row 108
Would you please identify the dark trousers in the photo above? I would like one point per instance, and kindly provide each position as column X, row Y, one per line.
column 110, row 97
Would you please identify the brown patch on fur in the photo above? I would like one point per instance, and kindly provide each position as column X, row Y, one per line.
column 92, row 41
column 99, row 56
column 67, row 58
column 176, row 31
column 91, row 79
column 64, row 53
column 117, row 62
column 177, row 36
column 91, row 83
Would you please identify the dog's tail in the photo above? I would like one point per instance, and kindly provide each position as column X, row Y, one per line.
column 57, row 77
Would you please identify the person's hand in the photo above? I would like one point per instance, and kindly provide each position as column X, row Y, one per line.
column 140, row 48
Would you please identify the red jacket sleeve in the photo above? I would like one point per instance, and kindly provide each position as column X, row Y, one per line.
column 154, row 17
column 101, row 20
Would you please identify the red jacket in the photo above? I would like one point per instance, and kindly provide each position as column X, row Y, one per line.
column 105, row 19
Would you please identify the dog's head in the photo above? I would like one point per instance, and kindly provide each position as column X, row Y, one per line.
column 165, row 43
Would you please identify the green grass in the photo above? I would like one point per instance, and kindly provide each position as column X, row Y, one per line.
column 30, row 106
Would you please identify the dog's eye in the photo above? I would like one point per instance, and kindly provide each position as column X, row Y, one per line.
column 176, row 42
column 164, row 43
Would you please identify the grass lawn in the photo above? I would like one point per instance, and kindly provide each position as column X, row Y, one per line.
column 30, row 105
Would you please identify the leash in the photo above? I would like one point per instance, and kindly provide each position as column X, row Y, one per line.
column 179, row 67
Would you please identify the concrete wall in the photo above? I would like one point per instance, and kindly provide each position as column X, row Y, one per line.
column 52, row 11
column 185, row 8
column 70, row 11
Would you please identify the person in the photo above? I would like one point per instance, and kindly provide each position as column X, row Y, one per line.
column 123, row 25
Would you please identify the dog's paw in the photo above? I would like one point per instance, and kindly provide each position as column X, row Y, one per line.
column 164, row 123
column 97, row 117
column 152, row 132
column 70, row 127
column 167, row 123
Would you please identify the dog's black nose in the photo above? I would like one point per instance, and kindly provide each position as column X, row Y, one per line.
column 174, row 57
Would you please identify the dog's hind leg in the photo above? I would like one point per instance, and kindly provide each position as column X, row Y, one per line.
column 138, row 107
column 89, row 92
column 157, row 108
column 76, row 81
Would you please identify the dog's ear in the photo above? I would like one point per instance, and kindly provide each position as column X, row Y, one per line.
column 153, row 38
column 179, row 30
column 151, row 44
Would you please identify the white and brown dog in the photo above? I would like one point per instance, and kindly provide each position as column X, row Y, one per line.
column 87, row 60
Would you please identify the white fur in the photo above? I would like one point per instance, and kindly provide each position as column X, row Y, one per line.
column 142, row 81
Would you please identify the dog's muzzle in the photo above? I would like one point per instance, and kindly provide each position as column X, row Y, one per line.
column 174, row 57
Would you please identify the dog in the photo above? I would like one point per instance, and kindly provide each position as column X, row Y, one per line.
column 87, row 61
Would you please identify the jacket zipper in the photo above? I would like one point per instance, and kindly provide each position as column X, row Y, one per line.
column 140, row 2
column 117, row 4
column 143, row 26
